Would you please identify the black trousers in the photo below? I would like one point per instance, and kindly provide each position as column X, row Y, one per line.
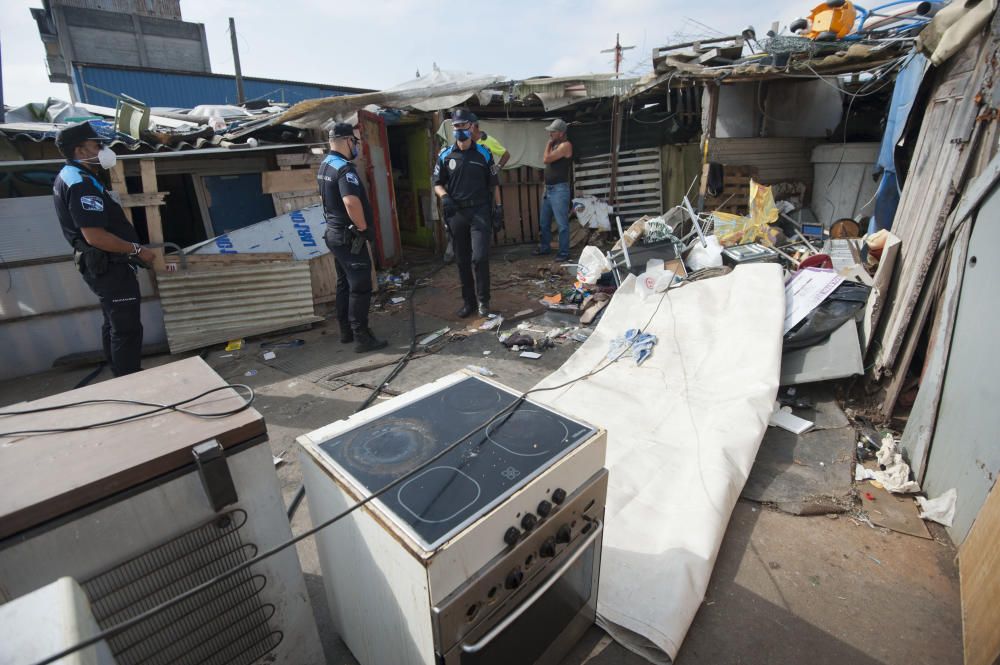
column 471, row 231
column 354, row 284
column 121, row 334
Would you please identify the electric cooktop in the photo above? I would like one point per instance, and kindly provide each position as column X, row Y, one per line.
column 489, row 465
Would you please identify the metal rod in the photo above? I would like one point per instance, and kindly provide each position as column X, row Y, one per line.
column 621, row 234
column 694, row 220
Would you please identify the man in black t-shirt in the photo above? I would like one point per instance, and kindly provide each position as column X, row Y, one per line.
column 105, row 244
column 348, row 232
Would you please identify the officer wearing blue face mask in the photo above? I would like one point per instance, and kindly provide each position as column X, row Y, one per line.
column 105, row 245
column 465, row 179
column 349, row 229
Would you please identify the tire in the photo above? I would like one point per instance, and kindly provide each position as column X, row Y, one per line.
column 798, row 25
column 833, row 4
column 828, row 36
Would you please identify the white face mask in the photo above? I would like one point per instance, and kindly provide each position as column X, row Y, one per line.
column 107, row 158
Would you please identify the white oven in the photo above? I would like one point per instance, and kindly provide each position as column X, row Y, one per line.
column 488, row 554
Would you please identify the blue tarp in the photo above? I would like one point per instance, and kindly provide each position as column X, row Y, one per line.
column 903, row 95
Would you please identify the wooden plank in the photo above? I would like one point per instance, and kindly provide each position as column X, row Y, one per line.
column 323, row 275
column 297, row 180
column 143, row 199
column 118, row 185
column 79, row 468
column 979, row 573
column 298, row 159
column 154, row 225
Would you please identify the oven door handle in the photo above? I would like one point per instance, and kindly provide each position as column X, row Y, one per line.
column 538, row 593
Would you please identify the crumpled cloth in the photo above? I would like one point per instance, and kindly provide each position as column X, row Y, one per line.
column 641, row 344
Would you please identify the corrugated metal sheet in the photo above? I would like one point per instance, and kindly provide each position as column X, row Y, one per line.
column 936, row 177
column 29, row 229
column 163, row 8
column 188, row 89
column 32, row 345
column 201, row 308
column 776, row 160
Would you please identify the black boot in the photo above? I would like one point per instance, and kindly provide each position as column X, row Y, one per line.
column 346, row 334
column 366, row 341
column 484, row 308
column 466, row 310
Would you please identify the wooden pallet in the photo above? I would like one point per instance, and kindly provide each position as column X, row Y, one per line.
column 735, row 196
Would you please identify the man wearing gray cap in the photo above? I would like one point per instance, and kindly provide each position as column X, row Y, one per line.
column 348, row 231
column 558, row 160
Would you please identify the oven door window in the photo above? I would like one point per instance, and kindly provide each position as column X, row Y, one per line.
column 527, row 638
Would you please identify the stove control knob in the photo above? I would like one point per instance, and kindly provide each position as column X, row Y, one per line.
column 544, row 508
column 548, row 549
column 528, row 522
column 514, row 579
column 558, row 496
column 564, row 534
column 511, row 536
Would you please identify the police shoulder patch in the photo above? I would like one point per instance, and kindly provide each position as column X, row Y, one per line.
column 452, row 164
column 92, row 203
column 352, row 178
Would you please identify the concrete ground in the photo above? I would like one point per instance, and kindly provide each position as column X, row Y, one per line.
column 786, row 589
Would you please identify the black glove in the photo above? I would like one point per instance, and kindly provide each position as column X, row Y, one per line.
column 448, row 206
column 498, row 217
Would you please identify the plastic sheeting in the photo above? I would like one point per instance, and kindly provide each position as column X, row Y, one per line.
column 524, row 139
column 299, row 232
column 683, row 432
column 434, row 92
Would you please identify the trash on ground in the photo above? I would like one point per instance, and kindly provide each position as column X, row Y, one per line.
column 278, row 460
column 941, row 509
column 530, row 354
column 700, row 257
column 288, row 344
column 518, row 339
column 270, row 355
column 434, row 336
column 479, row 369
column 861, row 474
column 581, row 335
column 227, row 355
column 494, row 321
column 894, row 473
column 804, row 291
column 234, row 345
column 486, row 353
column 397, row 300
column 786, row 420
column 250, row 372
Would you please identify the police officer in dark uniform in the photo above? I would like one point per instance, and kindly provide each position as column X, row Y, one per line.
column 349, row 230
column 465, row 178
column 105, row 245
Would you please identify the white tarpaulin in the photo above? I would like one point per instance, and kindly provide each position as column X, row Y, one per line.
column 683, row 431
column 524, row 139
column 299, row 232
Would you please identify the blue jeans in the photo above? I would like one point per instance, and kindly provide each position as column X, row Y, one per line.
column 555, row 203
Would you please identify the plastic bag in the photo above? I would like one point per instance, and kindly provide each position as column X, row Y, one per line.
column 739, row 230
column 591, row 266
column 839, row 307
column 700, row 257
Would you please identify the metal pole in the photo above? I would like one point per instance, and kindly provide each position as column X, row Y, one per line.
column 3, row 114
column 240, row 98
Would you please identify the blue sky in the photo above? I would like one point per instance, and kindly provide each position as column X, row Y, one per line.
column 379, row 43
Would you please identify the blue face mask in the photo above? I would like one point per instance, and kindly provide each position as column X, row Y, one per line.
column 354, row 150
column 462, row 134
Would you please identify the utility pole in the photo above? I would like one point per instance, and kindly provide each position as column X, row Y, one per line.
column 236, row 62
column 617, row 50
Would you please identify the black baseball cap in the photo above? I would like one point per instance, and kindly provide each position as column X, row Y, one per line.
column 72, row 136
column 342, row 130
column 463, row 115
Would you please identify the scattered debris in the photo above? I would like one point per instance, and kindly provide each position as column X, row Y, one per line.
column 250, row 372
column 941, row 509
column 531, row 354
column 494, row 321
column 270, row 355
column 434, row 336
column 786, row 420
column 234, row 345
column 478, row 369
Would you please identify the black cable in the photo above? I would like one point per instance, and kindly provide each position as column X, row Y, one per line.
column 505, row 413
column 90, row 377
column 156, row 408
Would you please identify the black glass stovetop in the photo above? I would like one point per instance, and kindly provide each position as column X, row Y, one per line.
column 439, row 500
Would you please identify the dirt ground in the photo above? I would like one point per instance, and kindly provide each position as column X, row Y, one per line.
column 786, row 589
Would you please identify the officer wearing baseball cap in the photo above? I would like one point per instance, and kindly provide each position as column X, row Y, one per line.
column 465, row 179
column 105, row 244
column 348, row 231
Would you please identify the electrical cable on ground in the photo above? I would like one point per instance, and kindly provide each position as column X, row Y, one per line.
column 504, row 413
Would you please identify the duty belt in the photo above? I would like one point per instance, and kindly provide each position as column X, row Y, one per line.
column 471, row 203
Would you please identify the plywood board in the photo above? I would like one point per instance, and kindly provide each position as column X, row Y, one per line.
column 323, row 275
column 78, row 468
column 979, row 571
column 295, row 180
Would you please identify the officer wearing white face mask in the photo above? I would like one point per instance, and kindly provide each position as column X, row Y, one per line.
column 105, row 245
